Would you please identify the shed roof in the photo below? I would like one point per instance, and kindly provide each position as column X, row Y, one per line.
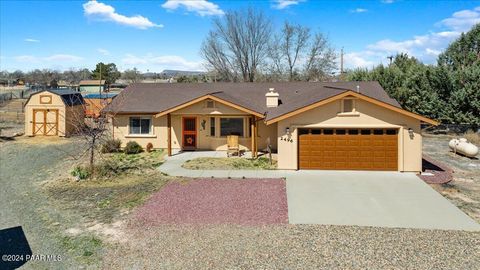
column 68, row 96
column 91, row 82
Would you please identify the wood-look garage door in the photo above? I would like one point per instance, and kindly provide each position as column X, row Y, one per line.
column 348, row 149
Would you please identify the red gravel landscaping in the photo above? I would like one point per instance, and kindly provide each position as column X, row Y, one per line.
column 217, row 201
column 441, row 173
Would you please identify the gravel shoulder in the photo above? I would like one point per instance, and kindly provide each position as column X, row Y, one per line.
column 464, row 190
column 294, row 247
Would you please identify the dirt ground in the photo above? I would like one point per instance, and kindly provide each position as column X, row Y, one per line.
column 464, row 190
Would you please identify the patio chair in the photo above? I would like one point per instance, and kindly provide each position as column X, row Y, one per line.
column 232, row 144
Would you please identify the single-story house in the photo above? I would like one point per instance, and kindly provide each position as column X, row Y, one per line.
column 54, row 113
column 94, row 103
column 91, row 86
column 311, row 125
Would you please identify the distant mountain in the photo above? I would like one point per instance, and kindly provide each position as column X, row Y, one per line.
column 176, row 73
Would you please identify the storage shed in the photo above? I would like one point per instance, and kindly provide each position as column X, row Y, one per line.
column 54, row 113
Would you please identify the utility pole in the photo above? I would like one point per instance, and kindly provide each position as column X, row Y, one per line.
column 100, row 82
column 390, row 58
column 341, row 62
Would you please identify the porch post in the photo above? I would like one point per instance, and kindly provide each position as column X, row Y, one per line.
column 252, row 131
column 169, row 135
column 256, row 136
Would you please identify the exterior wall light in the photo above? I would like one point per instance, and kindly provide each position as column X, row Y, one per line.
column 287, row 131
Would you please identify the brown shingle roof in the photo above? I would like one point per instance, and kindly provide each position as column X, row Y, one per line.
column 159, row 97
column 91, row 82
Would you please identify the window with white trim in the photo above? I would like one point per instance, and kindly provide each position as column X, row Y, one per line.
column 140, row 125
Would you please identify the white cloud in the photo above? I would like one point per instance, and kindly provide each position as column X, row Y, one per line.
column 388, row 1
column 133, row 60
column 357, row 60
column 31, row 40
column 105, row 12
column 359, row 10
column 424, row 47
column 201, row 7
column 51, row 58
column 103, row 51
column 62, row 58
column 462, row 20
column 26, row 59
column 282, row 4
column 164, row 62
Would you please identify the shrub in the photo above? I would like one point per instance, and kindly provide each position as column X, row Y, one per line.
column 132, row 147
column 149, row 147
column 81, row 173
column 472, row 137
column 111, row 146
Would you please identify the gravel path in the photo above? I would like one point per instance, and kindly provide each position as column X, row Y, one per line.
column 217, row 201
column 295, row 247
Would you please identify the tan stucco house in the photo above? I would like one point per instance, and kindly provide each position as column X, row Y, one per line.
column 311, row 125
column 53, row 113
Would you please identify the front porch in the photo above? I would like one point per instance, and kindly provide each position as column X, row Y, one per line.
column 197, row 132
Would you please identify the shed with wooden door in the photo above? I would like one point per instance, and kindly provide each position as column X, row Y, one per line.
column 54, row 113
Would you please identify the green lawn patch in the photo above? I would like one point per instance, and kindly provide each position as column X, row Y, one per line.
column 207, row 163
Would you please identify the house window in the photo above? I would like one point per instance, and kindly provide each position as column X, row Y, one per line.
column 140, row 125
column 210, row 104
column 231, row 126
column 348, row 105
column 212, row 126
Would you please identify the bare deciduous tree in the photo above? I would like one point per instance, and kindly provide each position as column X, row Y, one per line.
column 320, row 59
column 238, row 44
column 94, row 131
column 295, row 47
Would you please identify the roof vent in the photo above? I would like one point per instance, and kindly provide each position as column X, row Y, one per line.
column 272, row 98
column 358, row 88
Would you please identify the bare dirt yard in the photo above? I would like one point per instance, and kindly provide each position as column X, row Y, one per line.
column 464, row 190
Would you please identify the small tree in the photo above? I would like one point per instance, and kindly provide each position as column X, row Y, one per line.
column 107, row 72
column 132, row 75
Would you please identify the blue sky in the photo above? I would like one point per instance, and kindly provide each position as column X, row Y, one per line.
column 157, row 35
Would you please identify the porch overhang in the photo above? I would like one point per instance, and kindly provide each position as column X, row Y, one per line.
column 205, row 97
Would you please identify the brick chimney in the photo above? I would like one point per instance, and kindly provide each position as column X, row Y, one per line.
column 272, row 98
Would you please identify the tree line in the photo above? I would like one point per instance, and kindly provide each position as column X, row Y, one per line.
column 51, row 78
column 448, row 91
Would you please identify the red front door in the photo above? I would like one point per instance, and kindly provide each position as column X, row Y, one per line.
column 189, row 133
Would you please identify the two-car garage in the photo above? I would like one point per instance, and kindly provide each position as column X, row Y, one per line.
column 348, row 149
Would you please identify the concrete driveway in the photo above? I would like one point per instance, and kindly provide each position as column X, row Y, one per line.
column 384, row 199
